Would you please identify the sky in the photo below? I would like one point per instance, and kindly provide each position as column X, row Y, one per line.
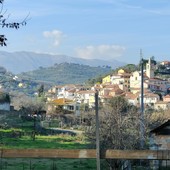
column 91, row 29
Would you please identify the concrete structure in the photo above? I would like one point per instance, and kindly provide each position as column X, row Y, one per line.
column 160, row 140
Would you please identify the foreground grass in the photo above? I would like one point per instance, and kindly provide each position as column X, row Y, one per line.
column 50, row 142
column 62, row 141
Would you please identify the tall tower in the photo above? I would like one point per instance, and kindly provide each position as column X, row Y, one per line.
column 149, row 69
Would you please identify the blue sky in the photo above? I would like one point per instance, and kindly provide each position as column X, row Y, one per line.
column 102, row 29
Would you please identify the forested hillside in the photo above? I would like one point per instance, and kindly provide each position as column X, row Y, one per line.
column 65, row 73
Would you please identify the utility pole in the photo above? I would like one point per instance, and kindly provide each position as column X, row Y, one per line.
column 97, row 131
column 142, row 105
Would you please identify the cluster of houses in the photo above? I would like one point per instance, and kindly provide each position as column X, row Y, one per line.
column 74, row 98
column 128, row 84
column 156, row 95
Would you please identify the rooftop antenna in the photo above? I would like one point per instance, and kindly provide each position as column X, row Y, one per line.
column 142, row 104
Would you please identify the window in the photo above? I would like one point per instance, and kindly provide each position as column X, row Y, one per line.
column 71, row 107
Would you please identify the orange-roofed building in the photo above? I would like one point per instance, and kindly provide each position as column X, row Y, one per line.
column 132, row 98
column 66, row 105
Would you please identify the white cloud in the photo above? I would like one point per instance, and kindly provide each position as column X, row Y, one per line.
column 56, row 36
column 100, row 52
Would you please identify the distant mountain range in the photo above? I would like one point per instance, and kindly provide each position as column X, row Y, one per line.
column 17, row 62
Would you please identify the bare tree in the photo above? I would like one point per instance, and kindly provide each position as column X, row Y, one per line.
column 5, row 24
column 119, row 128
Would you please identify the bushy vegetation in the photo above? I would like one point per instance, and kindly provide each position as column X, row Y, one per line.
column 65, row 73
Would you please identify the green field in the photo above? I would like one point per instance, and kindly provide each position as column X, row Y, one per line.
column 58, row 142
column 50, row 142
column 9, row 139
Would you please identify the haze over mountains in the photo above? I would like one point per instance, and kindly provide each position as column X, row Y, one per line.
column 17, row 62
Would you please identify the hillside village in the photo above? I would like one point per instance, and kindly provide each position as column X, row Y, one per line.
column 66, row 104
column 73, row 98
column 128, row 84
column 89, row 111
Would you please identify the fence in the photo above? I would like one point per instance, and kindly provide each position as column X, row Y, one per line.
column 85, row 153
column 56, row 159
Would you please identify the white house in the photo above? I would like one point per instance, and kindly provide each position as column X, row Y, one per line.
column 132, row 98
column 149, row 99
column 135, row 82
column 85, row 96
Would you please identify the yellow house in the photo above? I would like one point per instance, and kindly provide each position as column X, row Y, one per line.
column 121, row 71
column 106, row 79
